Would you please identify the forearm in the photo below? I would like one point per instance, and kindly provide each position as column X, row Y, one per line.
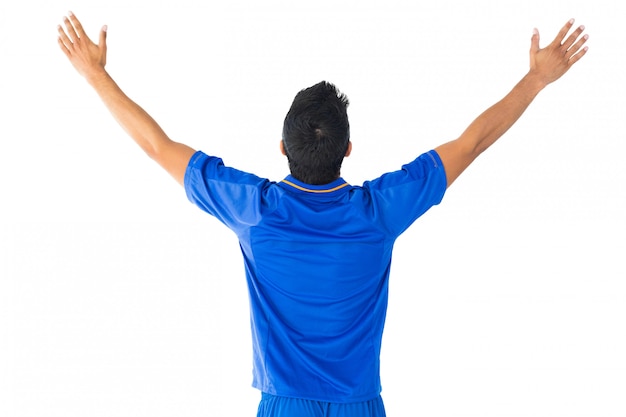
column 139, row 125
column 495, row 121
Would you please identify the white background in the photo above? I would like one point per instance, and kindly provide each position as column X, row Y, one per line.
column 120, row 298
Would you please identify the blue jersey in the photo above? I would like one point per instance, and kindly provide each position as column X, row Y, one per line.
column 317, row 261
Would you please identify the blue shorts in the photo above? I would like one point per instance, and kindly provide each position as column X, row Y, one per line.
column 273, row 406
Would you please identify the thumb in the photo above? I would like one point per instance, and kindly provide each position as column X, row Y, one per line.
column 534, row 41
column 103, row 37
column 102, row 45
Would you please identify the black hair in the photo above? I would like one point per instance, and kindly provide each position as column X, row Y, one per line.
column 316, row 134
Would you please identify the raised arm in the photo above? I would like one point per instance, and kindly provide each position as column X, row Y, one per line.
column 546, row 66
column 89, row 60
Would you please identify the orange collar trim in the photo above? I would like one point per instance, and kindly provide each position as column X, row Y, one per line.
column 345, row 184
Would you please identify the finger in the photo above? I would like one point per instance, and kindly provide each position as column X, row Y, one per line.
column 102, row 44
column 534, row 41
column 103, row 37
column 575, row 50
column 563, row 32
column 71, row 33
column 574, row 59
column 572, row 38
column 67, row 43
column 78, row 26
column 64, row 47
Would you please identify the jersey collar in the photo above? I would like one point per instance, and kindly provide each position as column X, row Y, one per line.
column 335, row 187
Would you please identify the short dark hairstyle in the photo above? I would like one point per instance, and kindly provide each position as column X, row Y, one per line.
column 316, row 134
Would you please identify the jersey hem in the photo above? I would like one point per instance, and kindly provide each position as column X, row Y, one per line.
column 350, row 400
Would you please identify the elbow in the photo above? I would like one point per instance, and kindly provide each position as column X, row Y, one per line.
column 478, row 149
column 151, row 151
column 472, row 149
column 154, row 149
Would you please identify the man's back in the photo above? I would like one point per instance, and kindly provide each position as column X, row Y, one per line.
column 317, row 262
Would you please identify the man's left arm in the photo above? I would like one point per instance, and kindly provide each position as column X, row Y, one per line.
column 89, row 59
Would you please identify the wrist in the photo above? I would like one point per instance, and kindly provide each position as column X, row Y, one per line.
column 96, row 77
column 535, row 81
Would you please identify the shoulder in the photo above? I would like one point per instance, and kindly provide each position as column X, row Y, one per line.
column 426, row 170
column 205, row 168
column 398, row 198
column 236, row 197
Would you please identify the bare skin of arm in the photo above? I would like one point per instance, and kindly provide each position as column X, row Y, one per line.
column 546, row 66
column 89, row 59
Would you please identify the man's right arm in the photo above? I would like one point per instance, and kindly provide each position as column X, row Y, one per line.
column 546, row 66
column 89, row 60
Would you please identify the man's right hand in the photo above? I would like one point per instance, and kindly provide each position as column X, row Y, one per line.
column 550, row 63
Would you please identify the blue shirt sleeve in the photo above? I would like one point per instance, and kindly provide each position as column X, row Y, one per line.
column 234, row 197
column 239, row 199
column 399, row 198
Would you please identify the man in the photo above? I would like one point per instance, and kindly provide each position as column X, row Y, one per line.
column 317, row 250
